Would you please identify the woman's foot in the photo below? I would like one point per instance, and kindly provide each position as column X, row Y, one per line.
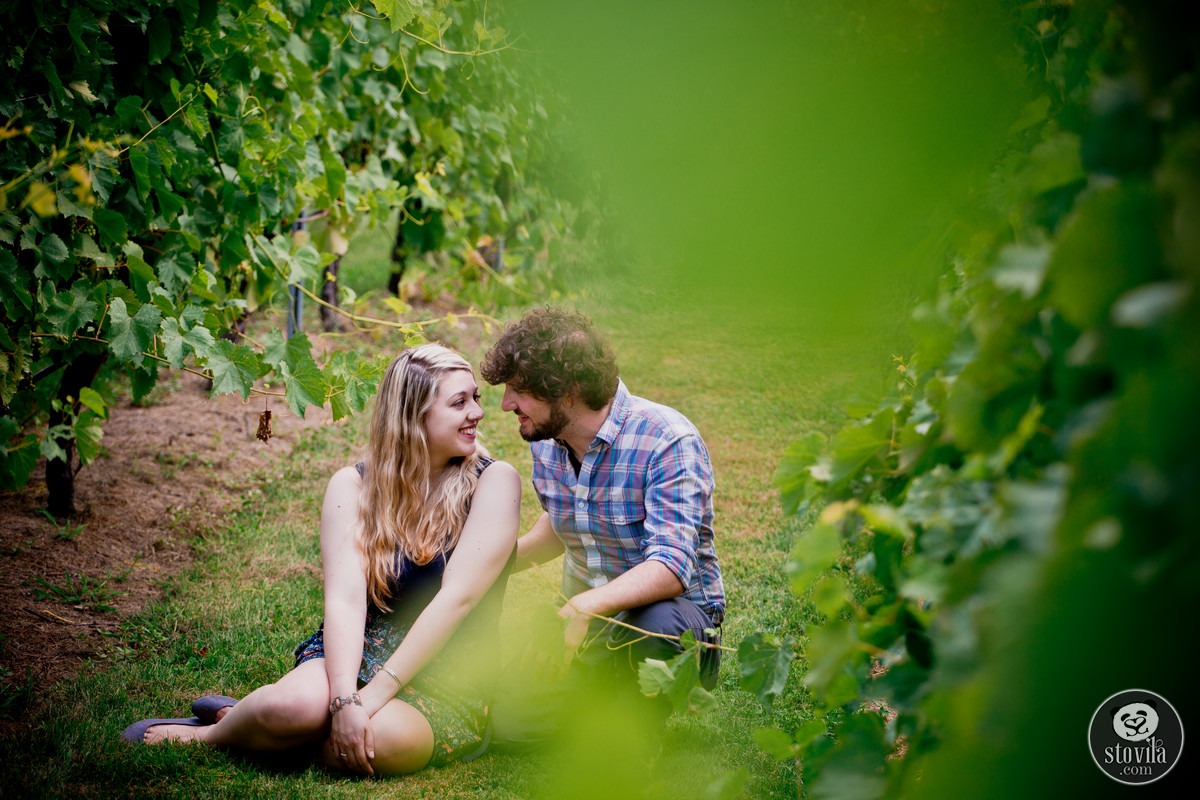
column 180, row 734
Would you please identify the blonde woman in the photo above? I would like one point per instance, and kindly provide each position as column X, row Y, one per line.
column 416, row 545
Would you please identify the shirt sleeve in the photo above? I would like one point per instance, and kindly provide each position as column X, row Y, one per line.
column 678, row 494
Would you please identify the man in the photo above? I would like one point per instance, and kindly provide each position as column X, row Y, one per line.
column 626, row 486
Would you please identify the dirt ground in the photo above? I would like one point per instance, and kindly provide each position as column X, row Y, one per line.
column 169, row 470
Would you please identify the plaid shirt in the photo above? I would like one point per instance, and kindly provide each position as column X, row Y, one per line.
column 643, row 493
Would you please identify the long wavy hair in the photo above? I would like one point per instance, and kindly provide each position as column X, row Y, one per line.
column 403, row 506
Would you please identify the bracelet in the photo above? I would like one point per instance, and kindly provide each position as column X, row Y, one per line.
column 338, row 703
column 395, row 677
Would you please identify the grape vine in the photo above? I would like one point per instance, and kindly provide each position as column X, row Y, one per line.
column 158, row 155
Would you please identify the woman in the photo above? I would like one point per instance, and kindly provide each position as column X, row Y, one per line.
column 416, row 545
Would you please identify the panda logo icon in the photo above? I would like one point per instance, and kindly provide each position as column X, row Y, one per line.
column 1136, row 722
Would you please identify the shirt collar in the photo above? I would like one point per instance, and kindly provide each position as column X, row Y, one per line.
column 617, row 414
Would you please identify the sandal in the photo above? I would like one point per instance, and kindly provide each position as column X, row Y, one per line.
column 206, row 708
column 136, row 733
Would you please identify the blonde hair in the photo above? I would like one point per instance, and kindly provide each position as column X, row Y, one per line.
column 403, row 507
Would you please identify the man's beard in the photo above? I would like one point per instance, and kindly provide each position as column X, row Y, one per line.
column 551, row 428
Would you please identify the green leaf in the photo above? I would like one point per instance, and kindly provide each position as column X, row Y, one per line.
column 794, row 474
column 92, row 400
column 674, row 680
column 275, row 346
column 399, row 12
column 111, row 226
column 1108, row 247
column 856, row 446
column 776, row 743
column 50, row 449
column 831, row 650
column 88, row 432
column 234, row 368
column 159, row 36
column 814, row 552
column 700, row 700
column 139, row 164
column 829, row 595
column 304, row 386
column 143, row 379
column 67, row 312
column 16, row 461
column 14, row 291
column 52, row 247
column 304, row 264
column 808, row 732
column 175, row 272
column 129, row 337
column 335, row 172
column 654, row 677
column 764, row 661
column 178, row 342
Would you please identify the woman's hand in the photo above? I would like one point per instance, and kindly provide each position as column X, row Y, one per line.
column 351, row 742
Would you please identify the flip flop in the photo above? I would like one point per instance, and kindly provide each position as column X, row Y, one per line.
column 136, row 733
column 206, row 708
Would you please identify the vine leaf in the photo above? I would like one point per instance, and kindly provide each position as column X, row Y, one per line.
column 399, row 12
column 792, row 477
column 178, row 342
column 304, row 386
column 130, row 336
column 764, row 661
column 88, row 432
column 813, row 553
column 234, row 368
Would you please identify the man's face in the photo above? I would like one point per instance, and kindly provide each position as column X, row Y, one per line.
column 538, row 419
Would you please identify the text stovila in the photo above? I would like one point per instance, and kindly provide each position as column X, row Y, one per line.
column 1149, row 752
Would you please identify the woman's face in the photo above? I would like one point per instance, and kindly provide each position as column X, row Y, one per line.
column 450, row 423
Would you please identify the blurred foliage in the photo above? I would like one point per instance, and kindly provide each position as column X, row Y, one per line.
column 1008, row 538
column 1005, row 540
column 157, row 155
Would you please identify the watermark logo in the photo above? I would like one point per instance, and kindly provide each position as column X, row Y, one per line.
column 1136, row 737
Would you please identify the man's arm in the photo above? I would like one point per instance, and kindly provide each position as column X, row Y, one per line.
column 646, row 583
column 540, row 544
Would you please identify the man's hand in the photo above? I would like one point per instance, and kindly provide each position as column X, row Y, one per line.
column 576, row 629
column 578, row 613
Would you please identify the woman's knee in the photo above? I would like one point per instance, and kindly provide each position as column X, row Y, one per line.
column 403, row 740
column 286, row 712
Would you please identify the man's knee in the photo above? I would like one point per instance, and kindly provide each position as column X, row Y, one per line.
column 670, row 618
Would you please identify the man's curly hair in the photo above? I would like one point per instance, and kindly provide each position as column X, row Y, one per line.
column 551, row 351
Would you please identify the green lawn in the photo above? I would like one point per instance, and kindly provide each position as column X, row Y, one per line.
column 751, row 384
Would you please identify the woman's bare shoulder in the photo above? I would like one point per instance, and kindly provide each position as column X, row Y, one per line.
column 499, row 473
column 345, row 479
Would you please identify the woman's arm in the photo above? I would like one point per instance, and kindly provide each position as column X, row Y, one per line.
column 486, row 543
column 345, row 613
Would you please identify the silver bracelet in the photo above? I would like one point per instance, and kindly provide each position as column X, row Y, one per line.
column 395, row 677
column 338, row 703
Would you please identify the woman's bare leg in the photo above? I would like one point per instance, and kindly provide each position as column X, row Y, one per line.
column 403, row 741
column 288, row 713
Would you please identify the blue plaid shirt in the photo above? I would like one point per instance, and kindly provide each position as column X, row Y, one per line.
column 643, row 493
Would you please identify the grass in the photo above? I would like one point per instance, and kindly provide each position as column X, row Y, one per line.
column 751, row 384
column 78, row 589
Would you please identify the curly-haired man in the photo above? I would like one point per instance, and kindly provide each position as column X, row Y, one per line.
column 626, row 486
